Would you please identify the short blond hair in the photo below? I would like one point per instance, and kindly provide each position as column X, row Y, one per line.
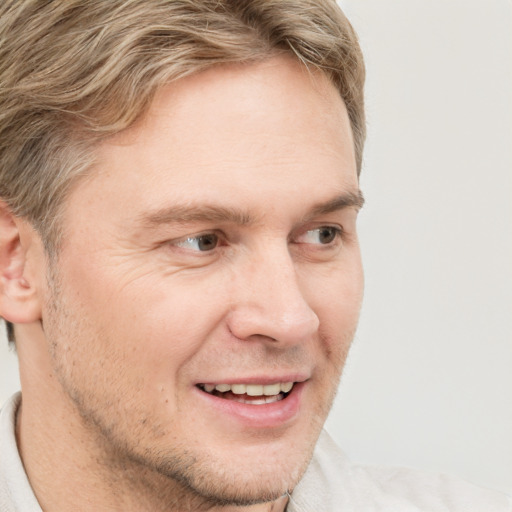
column 73, row 72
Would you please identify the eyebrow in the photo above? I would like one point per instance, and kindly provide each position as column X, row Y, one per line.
column 185, row 214
column 341, row 202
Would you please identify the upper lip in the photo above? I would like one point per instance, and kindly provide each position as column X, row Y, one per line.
column 265, row 380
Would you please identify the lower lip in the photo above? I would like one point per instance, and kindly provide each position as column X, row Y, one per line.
column 271, row 415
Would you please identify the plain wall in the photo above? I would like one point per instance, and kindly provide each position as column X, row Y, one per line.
column 429, row 381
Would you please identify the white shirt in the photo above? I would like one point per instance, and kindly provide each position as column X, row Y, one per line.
column 331, row 483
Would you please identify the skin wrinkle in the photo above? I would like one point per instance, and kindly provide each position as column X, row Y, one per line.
column 134, row 326
column 112, row 46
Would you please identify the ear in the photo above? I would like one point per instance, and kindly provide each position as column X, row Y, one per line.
column 19, row 300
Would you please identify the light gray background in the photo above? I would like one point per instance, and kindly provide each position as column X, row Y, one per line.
column 429, row 381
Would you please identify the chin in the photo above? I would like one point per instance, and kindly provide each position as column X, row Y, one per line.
column 221, row 486
column 246, row 480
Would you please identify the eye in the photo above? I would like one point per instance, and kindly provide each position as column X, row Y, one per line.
column 201, row 243
column 323, row 235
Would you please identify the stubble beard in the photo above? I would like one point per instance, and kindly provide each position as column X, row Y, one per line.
column 178, row 477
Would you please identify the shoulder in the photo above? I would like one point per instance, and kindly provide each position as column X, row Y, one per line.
column 332, row 483
column 15, row 492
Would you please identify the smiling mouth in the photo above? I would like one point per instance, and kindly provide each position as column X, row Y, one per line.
column 252, row 394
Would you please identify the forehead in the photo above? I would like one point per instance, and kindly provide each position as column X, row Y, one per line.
column 258, row 130
column 247, row 92
column 237, row 94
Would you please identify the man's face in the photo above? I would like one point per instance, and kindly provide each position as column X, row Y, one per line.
column 213, row 245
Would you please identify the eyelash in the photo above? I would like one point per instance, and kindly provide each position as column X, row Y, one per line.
column 337, row 232
column 180, row 243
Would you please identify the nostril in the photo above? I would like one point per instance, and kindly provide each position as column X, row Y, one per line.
column 261, row 337
column 251, row 337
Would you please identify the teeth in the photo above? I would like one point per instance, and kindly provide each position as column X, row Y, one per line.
column 273, row 389
column 254, row 390
column 286, row 386
column 268, row 390
column 238, row 389
column 259, row 401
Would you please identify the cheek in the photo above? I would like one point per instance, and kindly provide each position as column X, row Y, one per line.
column 337, row 302
column 336, row 292
column 165, row 324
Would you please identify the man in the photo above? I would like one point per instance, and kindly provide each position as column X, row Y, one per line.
column 179, row 258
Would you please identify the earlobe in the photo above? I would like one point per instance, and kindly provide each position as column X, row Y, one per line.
column 19, row 300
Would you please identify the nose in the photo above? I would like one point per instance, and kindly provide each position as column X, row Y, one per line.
column 269, row 304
